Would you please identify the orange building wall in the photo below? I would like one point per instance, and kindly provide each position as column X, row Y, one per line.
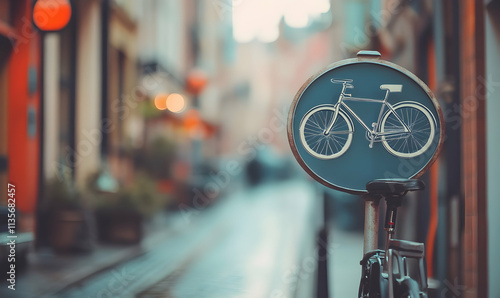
column 23, row 149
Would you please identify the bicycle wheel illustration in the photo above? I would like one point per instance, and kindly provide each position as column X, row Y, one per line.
column 420, row 123
column 316, row 142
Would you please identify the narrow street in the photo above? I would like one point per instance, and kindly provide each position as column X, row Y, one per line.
column 116, row 115
column 257, row 243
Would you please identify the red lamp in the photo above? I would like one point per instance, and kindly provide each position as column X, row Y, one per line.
column 51, row 15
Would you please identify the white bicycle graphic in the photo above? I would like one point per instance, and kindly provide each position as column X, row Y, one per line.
column 406, row 129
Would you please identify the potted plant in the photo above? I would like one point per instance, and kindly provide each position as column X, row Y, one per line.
column 120, row 214
column 67, row 222
column 156, row 158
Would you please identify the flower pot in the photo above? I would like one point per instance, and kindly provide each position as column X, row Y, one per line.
column 65, row 227
column 120, row 226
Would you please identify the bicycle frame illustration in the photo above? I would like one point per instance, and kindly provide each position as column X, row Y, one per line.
column 405, row 129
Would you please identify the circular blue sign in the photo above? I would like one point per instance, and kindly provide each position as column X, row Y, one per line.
column 363, row 119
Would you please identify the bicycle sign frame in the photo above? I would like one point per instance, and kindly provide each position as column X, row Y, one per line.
column 327, row 143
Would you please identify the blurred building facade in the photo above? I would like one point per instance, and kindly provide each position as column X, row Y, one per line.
column 90, row 67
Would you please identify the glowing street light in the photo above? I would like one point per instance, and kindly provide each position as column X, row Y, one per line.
column 175, row 103
column 161, row 101
column 51, row 15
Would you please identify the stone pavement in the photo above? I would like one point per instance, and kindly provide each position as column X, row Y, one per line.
column 343, row 265
column 257, row 243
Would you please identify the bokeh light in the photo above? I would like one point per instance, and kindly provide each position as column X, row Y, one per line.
column 51, row 15
column 161, row 101
column 175, row 103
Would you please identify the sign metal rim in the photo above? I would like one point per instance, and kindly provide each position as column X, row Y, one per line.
column 345, row 62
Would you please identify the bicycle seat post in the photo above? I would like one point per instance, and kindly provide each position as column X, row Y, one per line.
column 393, row 202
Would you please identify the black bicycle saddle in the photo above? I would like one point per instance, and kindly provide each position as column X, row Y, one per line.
column 393, row 187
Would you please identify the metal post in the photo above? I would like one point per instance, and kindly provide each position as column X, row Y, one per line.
column 322, row 282
column 371, row 223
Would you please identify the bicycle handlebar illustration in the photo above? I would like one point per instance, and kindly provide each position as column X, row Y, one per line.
column 405, row 129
